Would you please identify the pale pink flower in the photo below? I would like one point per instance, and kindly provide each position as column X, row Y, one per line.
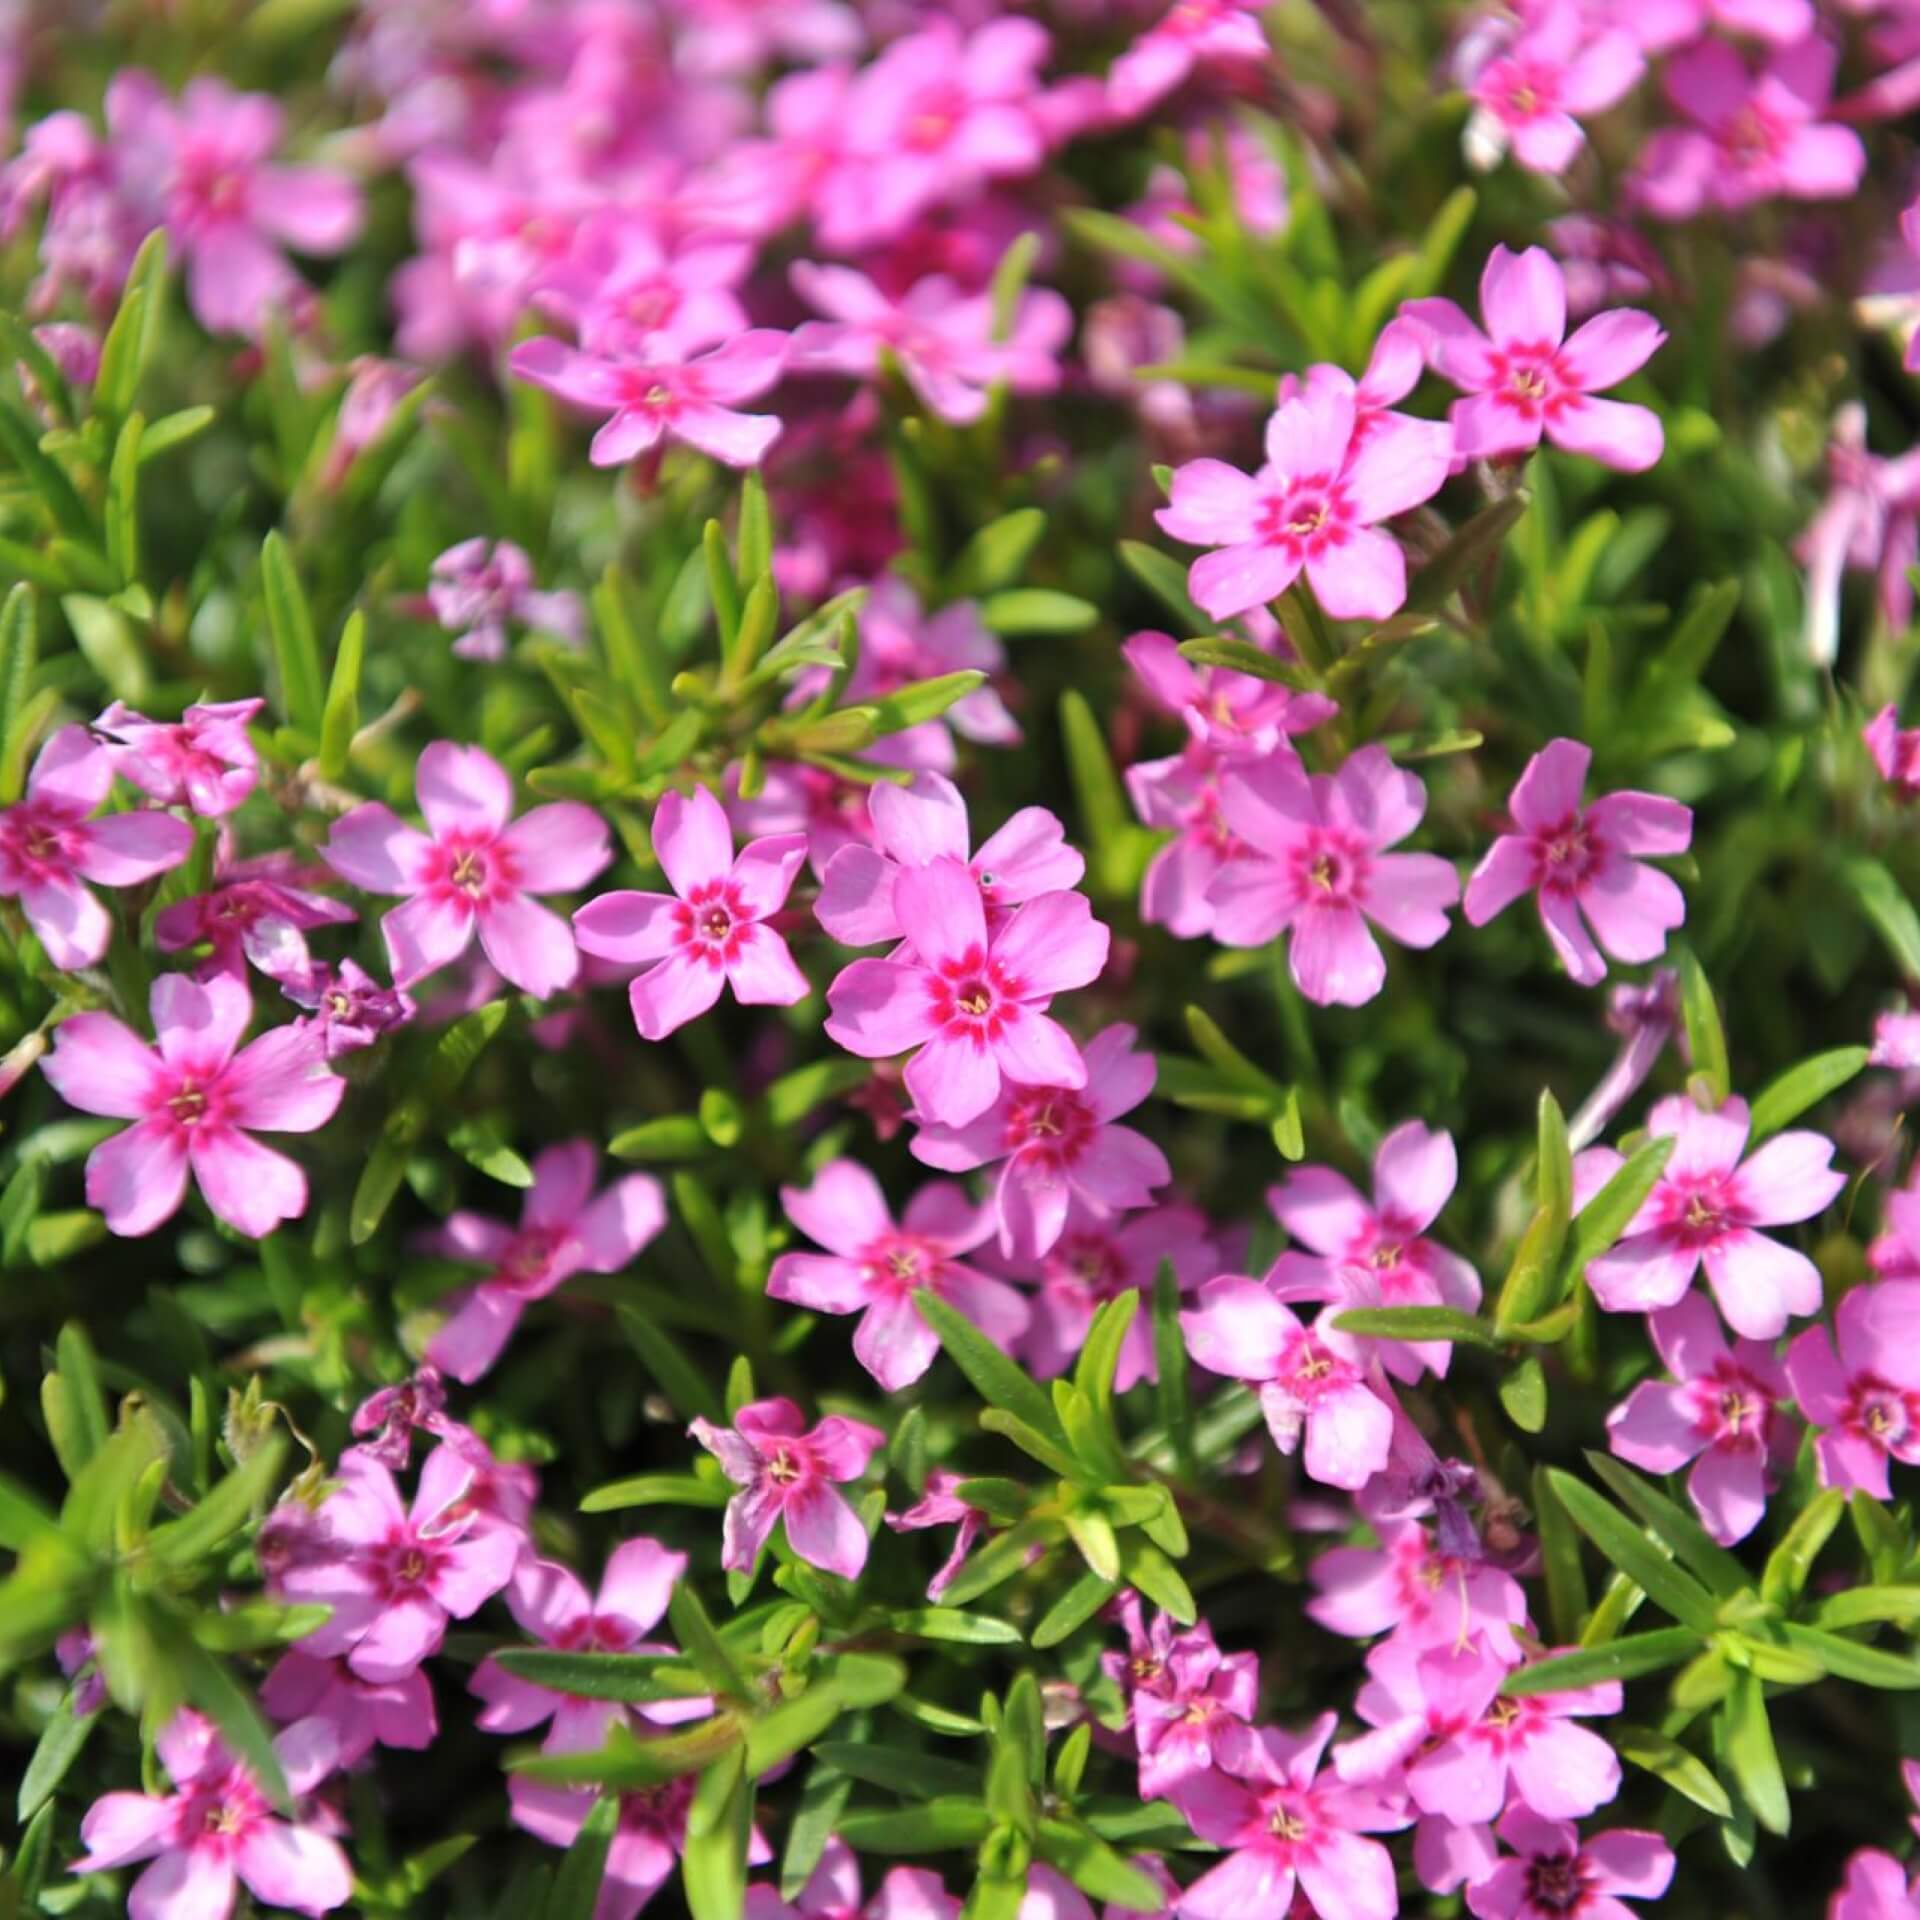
column 1318, row 868
column 711, row 931
column 1182, row 793
column 1191, row 33
column 971, row 1007
column 785, row 1471
column 1231, row 714
column 832, row 1890
column 828, row 810
column 195, row 1097
column 1865, row 1400
column 1058, row 1145
column 374, row 389
column 564, row 1229
column 1645, row 1018
column 394, row 1576
column 1524, row 377
column 1532, row 93
column 259, row 913
column 472, row 871
column 1309, row 1380
column 1868, row 523
column 873, row 1268
column 1704, row 1211
column 940, row 1506
column 1313, row 507
column 1723, row 1409
column 1896, row 752
column 204, row 760
column 664, row 394
column 481, row 586
column 1661, row 25
column 49, row 846
column 1552, row 1875
column 1876, row 1888
column 625, row 292
column 1422, row 1595
column 360, row 1714
column 217, row 1830
column 1605, row 260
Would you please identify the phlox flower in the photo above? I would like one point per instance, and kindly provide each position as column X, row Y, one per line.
column 940, row 1505
column 347, row 1008
column 786, row 1471
column 1421, row 1594
column 1580, row 861
column 1058, row 1145
column 1896, row 752
column 1661, row 25
column 1226, row 713
column 1868, row 523
column 50, row 845
column 480, row 586
column 1876, row 1888
column 1531, row 94
column 873, row 1267
column 711, row 932
column 1524, row 377
column 1645, row 1018
column 1553, row 1875
column 1604, row 260
column 1704, row 1211
column 204, row 760
column 1199, row 1709
column 1318, row 868
column 1190, row 34
column 360, row 1714
column 217, row 1831
column 1723, row 1410
column 826, row 809
column 1182, row 793
column 258, row 914
column 625, row 291
column 564, row 1229
column 472, row 871
column 195, row 1097
column 1864, row 1399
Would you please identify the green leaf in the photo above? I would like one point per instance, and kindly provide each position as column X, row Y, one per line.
column 1559, row 1560
column 938, row 1826
column 795, row 1095
column 1240, row 656
column 924, row 700
column 951, row 1623
column 340, row 720
column 123, row 501
column 1418, row 1323
column 231, row 1708
column 997, row 555
column 576, row 1887
column 296, row 653
column 1620, row 1541
column 626, row 1763
column 1789, row 1564
column 1864, row 1606
column 22, row 1517
column 901, row 1770
column 777, row 1735
column 694, row 1629
column 1706, row 1040
column 646, row 1678
column 674, row 1136
column 1686, row 1773
column 999, row 1560
column 1172, row 1395
column 1601, row 1222
column 228, row 1508
column 1095, row 1868
column 1470, row 546
column 20, row 344
column 130, row 340
column 1887, row 908
column 1751, row 1755
column 79, row 1372
column 1157, row 1578
column 1018, row 611
column 991, row 1374
column 1104, row 813
column 1786, row 1098
column 173, row 430
column 60, row 1744
column 1692, row 1544
column 656, row 1490
column 106, row 636
column 1074, row 1609
column 686, row 1386
column 1166, row 579
column 822, row 1801
column 1100, row 1354
column 1628, row 1659
column 754, row 541
column 20, row 441
column 1850, row 1660
column 1523, row 1393
column 1675, row 671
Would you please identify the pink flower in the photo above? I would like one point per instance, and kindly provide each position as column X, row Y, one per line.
column 926, row 821
column 563, row 1230
column 1754, row 137
column 1414, row 1172
column 1869, row 523
column 360, row 1714
column 1197, row 1711
column 1578, row 860
column 1318, row 868
column 1532, row 92
column 1876, row 1888
column 1896, row 752
column 1422, row 1595
column 204, row 760
column 49, row 845
column 785, row 1471
column 1524, row 377
column 479, row 586
column 217, row 1831
column 472, row 870
column 348, row 1008
column 1227, row 713
column 664, row 394
column 395, row 1576
column 258, row 914
column 940, row 1506
column 872, row 1268
column 972, row 1007
column 195, row 1102
column 624, row 292
column 1703, row 1212
column 1724, row 1411
column 202, row 167
column 1866, row 1400
column 711, row 931
column 1552, row 1876
column 1313, row 507
column 1190, row 33
column 1059, row 1146
column 1283, row 1828
column 1182, row 792
column 1308, row 1379
column 832, row 1890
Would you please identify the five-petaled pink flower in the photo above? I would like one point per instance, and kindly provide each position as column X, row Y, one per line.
column 217, row 1830
column 204, row 760
column 1704, row 1211
column 1189, row 34
column 1723, row 1410
column 873, row 1267
column 785, row 1471
column 1551, row 1875
column 1866, row 1398
column 1534, row 90
column 195, row 1097
column 1318, row 867
column 711, row 931
column 971, row 1006
column 49, row 846
column 1581, row 861
column 472, row 870
column 478, row 587
column 1313, row 507
column 1524, row 377
column 564, row 1229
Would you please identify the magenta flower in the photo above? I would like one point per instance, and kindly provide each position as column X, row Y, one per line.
column 1723, row 1410
column 1226, row 712
column 1525, row 378
column 940, row 1506
column 360, row 1714
column 564, row 1229
column 1283, row 1828
column 926, row 821
column 711, row 931
column 665, row 395
column 625, row 292
column 204, row 760
column 1414, row 1173
column 1309, row 1379
column 49, row 846
column 472, row 871
column 1579, row 861
column 202, row 167
column 1313, row 507
column 394, row 1576
column 873, row 1267
column 832, row 1890
column 1704, row 1211
column 1189, row 34
column 217, row 1831
column 1876, row 1888
column 1198, row 1710
column 195, row 1097
column 1895, row 750
column 970, row 1007
column 1319, row 869
column 1551, row 1875
column 1866, row 1399
column 1422, row 1595
column 1534, row 91
column 348, row 1009
column 258, row 914
column 1182, row 793
column 481, row 586
column 1868, row 523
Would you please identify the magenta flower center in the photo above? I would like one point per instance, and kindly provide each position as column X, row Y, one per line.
column 404, row 1563
column 1695, row 1209
column 1754, row 137
column 1330, row 868
column 709, row 922
column 973, row 996
column 1882, row 1414
column 1567, row 858
column 1520, row 89
column 896, row 1263
column 787, row 1466
column 1310, row 1371
column 469, row 867
column 35, row 841
column 1531, row 380
column 1557, row 1883
column 214, row 1819
column 1308, row 517
column 1050, row 1126
column 936, row 114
